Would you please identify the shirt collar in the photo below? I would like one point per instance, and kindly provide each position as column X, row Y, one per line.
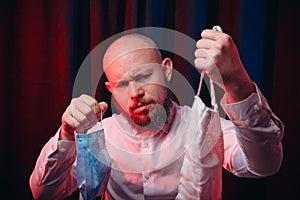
column 123, row 124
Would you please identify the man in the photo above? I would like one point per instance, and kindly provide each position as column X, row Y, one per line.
column 149, row 121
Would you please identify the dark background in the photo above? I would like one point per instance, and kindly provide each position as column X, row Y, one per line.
column 43, row 43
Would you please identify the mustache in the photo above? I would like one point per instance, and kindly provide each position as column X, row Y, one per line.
column 139, row 103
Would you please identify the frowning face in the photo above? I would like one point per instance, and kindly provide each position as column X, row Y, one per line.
column 137, row 81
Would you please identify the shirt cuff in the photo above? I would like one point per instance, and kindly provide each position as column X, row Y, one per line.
column 62, row 148
column 53, row 155
column 247, row 111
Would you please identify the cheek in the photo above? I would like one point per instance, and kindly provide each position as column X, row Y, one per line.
column 122, row 100
column 159, row 92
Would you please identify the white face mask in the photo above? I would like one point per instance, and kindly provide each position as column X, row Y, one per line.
column 201, row 172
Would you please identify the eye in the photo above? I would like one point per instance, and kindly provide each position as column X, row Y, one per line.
column 143, row 77
column 146, row 76
column 122, row 84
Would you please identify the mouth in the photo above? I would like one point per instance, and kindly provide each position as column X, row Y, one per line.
column 144, row 109
column 141, row 108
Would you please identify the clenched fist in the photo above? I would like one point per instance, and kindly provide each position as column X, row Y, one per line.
column 218, row 56
column 82, row 113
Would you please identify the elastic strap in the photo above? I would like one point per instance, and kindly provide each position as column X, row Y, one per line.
column 101, row 114
column 212, row 91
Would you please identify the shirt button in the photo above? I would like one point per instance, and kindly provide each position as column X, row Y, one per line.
column 147, row 177
column 256, row 107
column 146, row 145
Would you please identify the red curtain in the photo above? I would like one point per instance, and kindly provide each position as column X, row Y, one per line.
column 43, row 43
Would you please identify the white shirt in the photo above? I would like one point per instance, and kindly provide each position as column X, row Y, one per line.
column 252, row 148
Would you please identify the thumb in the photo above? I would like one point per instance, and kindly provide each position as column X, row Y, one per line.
column 103, row 107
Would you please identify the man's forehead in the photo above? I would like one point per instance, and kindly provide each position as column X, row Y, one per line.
column 125, row 45
column 125, row 72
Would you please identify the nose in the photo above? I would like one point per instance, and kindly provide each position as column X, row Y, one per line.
column 137, row 93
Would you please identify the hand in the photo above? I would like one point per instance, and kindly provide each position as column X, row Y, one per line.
column 82, row 113
column 218, row 56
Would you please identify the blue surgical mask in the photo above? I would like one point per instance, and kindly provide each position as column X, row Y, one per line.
column 92, row 164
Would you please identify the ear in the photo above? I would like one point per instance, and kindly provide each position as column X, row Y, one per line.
column 167, row 67
column 108, row 86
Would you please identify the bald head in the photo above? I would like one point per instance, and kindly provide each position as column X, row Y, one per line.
column 128, row 44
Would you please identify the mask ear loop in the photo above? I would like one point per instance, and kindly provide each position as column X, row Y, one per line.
column 101, row 124
column 200, row 83
column 213, row 97
column 212, row 91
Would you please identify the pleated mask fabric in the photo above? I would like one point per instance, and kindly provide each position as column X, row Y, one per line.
column 92, row 164
column 201, row 172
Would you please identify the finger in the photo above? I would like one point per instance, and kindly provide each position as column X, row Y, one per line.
column 70, row 122
column 204, row 43
column 90, row 101
column 82, row 118
column 201, row 53
column 205, row 58
column 83, row 112
column 217, row 28
column 202, row 63
column 211, row 34
column 68, row 126
column 78, row 127
column 103, row 107
column 80, row 130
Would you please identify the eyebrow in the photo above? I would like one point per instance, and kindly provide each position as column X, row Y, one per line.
column 142, row 72
column 136, row 73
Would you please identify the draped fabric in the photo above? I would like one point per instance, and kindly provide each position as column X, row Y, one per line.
column 43, row 43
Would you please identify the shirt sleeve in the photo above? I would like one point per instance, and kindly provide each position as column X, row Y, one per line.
column 252, row 137
column 54, row 175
